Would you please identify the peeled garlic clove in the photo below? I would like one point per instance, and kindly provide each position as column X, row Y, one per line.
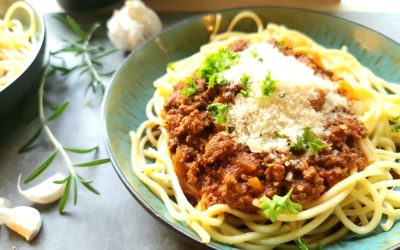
column 4, row 203
column 46, row 192
column 26, row 221
column 5, row 215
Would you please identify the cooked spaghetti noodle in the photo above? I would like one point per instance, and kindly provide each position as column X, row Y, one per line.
column 16, row 43
column 358, row 203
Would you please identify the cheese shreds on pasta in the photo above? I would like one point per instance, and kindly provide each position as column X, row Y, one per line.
column 16, row 43
column 258, row 119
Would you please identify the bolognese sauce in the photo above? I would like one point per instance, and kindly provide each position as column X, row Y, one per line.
column 212, row 165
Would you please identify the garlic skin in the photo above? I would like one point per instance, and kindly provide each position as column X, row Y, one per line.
column 4, row 203
column 26, row 221
column 46, row 192
column 132, row 25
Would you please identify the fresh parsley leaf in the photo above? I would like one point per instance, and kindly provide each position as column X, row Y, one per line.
column 215, row 64
column 308, row 140
column 246, row 88
column 394, row 124
column 253, row 53
column 171, row 66
column 279, row 135
column 272, row 208
column 217, row 78
column 218, row 111
column 191, row 87
column 396, row 128
column 268, row 86
column 301, row 244
column 260, row 60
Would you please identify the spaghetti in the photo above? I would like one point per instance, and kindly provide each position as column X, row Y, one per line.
column 358, row 203
column 16, row 43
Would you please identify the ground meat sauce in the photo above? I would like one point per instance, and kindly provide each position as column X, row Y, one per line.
column 211, row 165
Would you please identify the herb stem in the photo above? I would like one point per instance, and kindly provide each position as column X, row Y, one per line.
column 87, row 58
column 46, row 128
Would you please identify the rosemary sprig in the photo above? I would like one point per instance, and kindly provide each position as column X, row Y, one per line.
column 73, row 177
column 89, row 54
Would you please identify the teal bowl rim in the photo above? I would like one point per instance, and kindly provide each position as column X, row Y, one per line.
column 40, row 41
column 105, row 103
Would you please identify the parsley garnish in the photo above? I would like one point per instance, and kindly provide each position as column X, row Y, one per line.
column 301, row 244
column 307, row 141
column 260, row 60
column 395, row 125
column 215, row 64
column 246, row 88
column 268, row 86
column 191, row 87
column 254, row 53
column 218, row 111
column 268, row 165
column 282, row 43
column 272, row 208
column 279, row 135
column 171, row 66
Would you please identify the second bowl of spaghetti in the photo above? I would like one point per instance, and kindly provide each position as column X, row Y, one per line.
column 265, row 130
column 22, row 50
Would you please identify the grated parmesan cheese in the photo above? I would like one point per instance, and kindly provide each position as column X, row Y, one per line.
column 257, row 119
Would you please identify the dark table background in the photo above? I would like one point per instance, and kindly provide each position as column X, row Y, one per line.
column 113, row 220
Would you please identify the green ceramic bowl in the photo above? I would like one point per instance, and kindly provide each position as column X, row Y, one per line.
column 132, row 87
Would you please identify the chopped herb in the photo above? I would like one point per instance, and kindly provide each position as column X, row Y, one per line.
column 218, row 111
column 171, row 66
column 268, row 86
column 270, row 164
column 301, row 244
column 396, row 126
column 254, row 53
column 215, row 64
column 217, row 78
column 272, row 208
column 307, row 141
column 260, row 60
column 191, row 87
column 246, row 88
column 279, row 135
column 282, row 43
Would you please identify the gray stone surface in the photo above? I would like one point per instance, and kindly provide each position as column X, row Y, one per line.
column 113, row 220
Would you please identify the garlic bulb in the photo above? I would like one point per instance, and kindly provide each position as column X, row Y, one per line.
column 4, row 203
column 46, row 192
column 132, row 25
column 26, row 221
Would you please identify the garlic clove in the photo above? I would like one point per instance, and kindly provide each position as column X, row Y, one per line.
column 4, row 203
column 138, row 11
column 46, row 192
column 5, row 215
column 26, row 221
column 132, row 25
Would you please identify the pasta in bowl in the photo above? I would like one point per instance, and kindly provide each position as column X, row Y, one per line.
column 264, row 139
column 22, row 50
